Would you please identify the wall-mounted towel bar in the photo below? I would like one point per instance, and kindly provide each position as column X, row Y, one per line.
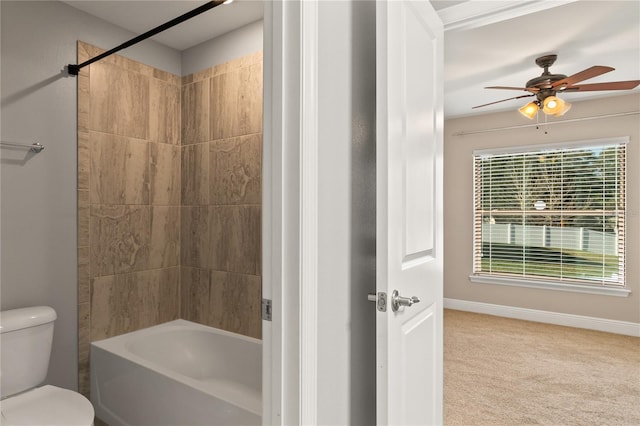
column 34, row 147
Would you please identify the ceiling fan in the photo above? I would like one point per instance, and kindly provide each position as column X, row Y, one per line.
column 547, row 86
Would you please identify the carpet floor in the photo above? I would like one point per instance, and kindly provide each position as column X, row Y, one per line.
column 501, row 371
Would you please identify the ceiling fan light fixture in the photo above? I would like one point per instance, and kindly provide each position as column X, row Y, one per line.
column 545, row 87
column 566, row 106
column 555, row 106
column 529, row 110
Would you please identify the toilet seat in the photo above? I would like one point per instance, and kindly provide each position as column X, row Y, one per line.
column 47, row 406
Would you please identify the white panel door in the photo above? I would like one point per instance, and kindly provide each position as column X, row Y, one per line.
column 409, row 43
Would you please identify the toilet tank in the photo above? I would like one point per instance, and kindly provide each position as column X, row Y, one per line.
column 25, row 346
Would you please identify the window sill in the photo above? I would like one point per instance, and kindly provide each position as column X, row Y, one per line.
column 551, row 285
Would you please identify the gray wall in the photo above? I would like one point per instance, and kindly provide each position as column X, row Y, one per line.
column 240, row 42
column 346, row 213
column 39, row 195
column 458, row 204
column 363, row 215
column 38, row 192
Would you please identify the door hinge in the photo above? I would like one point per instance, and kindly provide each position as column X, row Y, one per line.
column 266, row 309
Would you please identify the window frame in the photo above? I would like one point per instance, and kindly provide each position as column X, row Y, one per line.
column 550, row 283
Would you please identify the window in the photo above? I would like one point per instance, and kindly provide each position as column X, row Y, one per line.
column 554, row 214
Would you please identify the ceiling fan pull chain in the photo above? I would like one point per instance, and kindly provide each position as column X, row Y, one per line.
column 546, row 128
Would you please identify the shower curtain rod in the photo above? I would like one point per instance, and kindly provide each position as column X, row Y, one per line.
column 73, row 69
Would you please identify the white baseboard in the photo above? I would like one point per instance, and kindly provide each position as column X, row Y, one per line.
column 579, row 321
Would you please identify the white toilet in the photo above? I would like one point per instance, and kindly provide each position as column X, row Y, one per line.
column 25, row 346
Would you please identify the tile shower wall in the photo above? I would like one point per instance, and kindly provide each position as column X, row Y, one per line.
column 128, row 199
column 164, row 230
column 220, row 256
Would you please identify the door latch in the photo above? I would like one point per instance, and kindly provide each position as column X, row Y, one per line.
column 266, row 309
column 380, row 299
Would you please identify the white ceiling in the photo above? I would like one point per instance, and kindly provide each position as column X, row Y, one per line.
column 140, row 16
column 582, row 33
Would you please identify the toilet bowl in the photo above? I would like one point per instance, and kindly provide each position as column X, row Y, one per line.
column 25, row 346
column 47, row 405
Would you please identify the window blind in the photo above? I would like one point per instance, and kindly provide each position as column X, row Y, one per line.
column 554, row 214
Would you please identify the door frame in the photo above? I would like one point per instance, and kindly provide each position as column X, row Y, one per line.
column 290, row 188
column 290, row 221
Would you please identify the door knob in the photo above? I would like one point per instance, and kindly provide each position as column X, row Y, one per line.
column 397, row 300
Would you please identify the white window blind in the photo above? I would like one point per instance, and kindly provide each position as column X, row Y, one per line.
column 553, row 214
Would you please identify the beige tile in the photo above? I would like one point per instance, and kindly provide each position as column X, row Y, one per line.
column 119, row 101
column 194, row 236
column 84, row 100
column 84, row 275
column 164, row 112
column 235, row 170
column 83, row 51
column 106, row 293
column 92, row 51
column 244, row 61
column 255, row 58
column 132, row 66
column 195, row 113
column 187, row 79
column 128, row 302
column 167, row 77
column 84, row 384
column 241, row 62
column 84, row 160
column 110, row 307
column 168, row 295
column 164, row 249
column 84, row 214
column 83, row 198
column 84, row 319
column 236, row 303
column 201, row 75
column 235, row 239
column 194, row 294
column 119, row 170
column 118, row 61
column 164, row 174
column 224, row 68
column 84, row 347
column 84, row 328
column 195, row 175
column 119, row 239
column 236, row 103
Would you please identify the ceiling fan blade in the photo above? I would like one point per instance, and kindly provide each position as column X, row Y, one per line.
column 612, row 85
column 592, row 72
column 530, row 89
column 496, row 102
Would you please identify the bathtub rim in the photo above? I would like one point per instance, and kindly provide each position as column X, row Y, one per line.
column 117, row 346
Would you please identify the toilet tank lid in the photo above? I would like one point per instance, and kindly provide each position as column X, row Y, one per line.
column 16, row 319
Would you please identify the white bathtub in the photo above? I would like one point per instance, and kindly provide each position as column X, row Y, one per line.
column 177, row 373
